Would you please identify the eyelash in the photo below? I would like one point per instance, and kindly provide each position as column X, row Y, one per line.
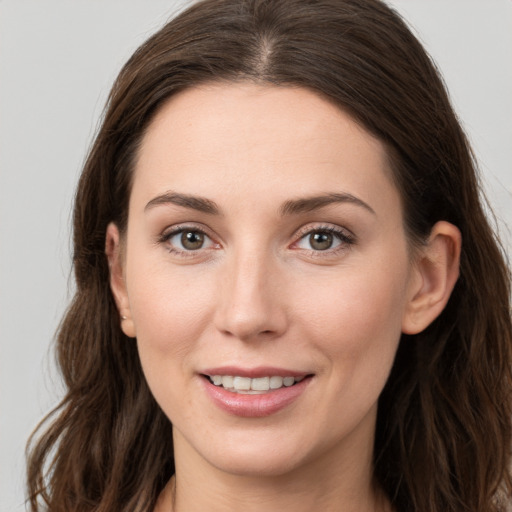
column 165, row 238
column 345, row 238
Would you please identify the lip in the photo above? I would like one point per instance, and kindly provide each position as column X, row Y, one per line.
column 254, row 373
column 254, row 406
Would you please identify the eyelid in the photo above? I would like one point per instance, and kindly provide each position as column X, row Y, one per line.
column 344, row 235
column 325, row 226
column 171, row 231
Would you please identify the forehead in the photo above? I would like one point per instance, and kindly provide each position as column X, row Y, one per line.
column 223, row 139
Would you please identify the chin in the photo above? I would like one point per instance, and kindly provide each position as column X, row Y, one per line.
column 257, row 453
column 263, row 465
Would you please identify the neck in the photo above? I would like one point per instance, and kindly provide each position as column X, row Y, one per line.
column 331, row 483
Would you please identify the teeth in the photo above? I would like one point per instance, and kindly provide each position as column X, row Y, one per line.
column 242, row 383
column 227, row 381
column 258, row 385
column 261, row 384
column 276, row 382
column 289, row 381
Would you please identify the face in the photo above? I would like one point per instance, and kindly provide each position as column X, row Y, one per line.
column 265, row 275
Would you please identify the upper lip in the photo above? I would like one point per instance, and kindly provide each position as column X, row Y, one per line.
column 254, row 373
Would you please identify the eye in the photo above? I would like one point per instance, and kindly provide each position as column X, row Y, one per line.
column 324, row 239
column 321, row 240
column 189, row 240
column 183, row 240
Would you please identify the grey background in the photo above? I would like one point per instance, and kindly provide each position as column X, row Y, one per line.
column 57, row 62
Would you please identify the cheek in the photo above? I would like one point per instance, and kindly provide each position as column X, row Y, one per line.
column 169, row 307
column 170, row 312
column 357, row 333
column 355, row 320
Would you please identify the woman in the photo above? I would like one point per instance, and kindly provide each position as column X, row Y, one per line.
column 288, row 295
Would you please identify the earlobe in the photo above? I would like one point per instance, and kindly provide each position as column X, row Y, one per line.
column 113, row 250
column 436, row 272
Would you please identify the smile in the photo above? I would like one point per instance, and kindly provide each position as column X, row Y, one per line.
column 255, row 386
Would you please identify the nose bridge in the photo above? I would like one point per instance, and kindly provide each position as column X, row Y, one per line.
column 250, row 302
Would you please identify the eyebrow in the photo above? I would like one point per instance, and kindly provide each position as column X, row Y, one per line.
column 188, row 201
column 292, row 207
column 309, row 204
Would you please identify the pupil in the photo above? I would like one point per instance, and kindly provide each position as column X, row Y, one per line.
column 192, row 240
column 320, row 241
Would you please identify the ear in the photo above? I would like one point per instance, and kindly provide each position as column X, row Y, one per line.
column 436, row 271
column 113, row 250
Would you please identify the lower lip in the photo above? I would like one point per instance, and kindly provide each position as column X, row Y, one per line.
column 255, row 406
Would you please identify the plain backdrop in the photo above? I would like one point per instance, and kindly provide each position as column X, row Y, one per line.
column 58, row 59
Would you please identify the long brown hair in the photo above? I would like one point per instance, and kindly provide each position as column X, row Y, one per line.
column 444, row 428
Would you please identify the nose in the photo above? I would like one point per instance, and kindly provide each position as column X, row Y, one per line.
column 251, row 301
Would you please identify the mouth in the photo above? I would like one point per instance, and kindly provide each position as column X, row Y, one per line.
column 254, row 386
column 254, row 392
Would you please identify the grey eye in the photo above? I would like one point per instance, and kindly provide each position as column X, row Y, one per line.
column 321, row 241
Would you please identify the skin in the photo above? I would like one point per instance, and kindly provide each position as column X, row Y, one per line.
column 259, row 293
